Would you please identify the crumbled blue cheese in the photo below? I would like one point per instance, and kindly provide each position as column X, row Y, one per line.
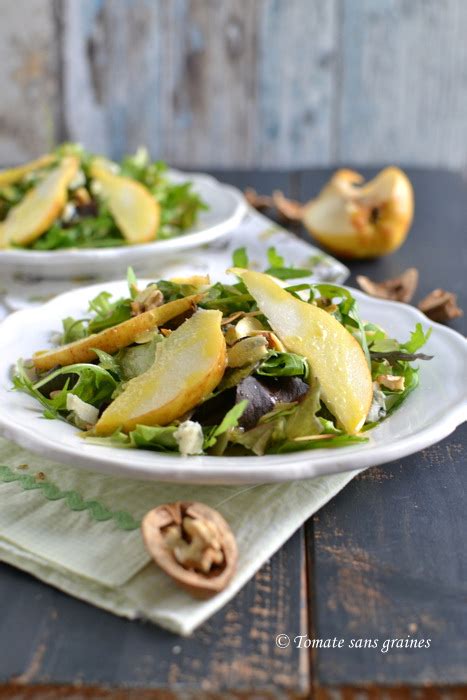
column 378, row 405
column 141, row 157
column 189, row 437
column 79, row 180
column 112, row 167
column 96, row 187
column 84, row 411
column 68, row 212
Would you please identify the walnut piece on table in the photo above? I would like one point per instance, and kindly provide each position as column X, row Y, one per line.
column 401, row 288
column 193, row 544
column 440, row 306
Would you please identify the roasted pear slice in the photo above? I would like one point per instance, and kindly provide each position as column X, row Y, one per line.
column 9, row 177
column 113, row 339
column 133, row 207
column 40, row 207
column 362, row 220
column 189, row 364
column 335, row 357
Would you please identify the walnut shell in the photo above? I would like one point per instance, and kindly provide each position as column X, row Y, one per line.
column 199, row 584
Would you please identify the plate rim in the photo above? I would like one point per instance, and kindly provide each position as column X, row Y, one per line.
column 223, row 470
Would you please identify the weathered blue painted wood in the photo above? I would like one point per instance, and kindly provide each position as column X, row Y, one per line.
column 224, row 83
column 296, row 82
column 178, row 76
column 403, row 78
column 29, row 100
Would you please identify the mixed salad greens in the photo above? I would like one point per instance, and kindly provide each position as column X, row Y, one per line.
column 87, row 201
column 265, row 398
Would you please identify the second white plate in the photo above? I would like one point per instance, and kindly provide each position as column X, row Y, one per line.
column 227, row 207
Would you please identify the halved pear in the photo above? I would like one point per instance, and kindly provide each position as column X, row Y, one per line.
column 133, row 207
column 358, row 220
column 113, row 339
column 189, row 364
column 40, row 207
column 336, row 359
column 12, row 175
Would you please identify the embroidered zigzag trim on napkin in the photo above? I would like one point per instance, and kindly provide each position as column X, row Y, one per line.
column 97, row 510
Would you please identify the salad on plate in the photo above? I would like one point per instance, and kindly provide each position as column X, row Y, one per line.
column 266, row 364
column 74, row 199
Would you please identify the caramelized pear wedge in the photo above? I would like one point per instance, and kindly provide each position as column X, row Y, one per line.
column 9, row 177
column 362, row 220
column 112, row 339
column 335, row 357
column 133, row 207
column 40, row 207
column 189, row 364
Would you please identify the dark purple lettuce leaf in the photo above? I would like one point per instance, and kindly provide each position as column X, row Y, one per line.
column 264, row 393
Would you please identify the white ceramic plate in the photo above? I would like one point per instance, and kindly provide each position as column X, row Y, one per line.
column 227, row 207
column 430, row 413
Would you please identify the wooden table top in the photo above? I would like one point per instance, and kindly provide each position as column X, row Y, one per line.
column 386, row 559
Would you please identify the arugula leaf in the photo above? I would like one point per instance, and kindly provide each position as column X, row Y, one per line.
column 283, row 364
column 107, row 313
column 98, row 231
column 73, row 329
column 279, row 269
column 22, row 382
column 154, row 437
column 348, row 314
column 394, row 399
column 256, row 439
column 108, row 362
column 132, row 282
column 417, row 339
column 384, row 345
column 229, row 421
column 145, row 437
column 274, row 259
column 240, row 258
column 173, row 290
column 228, row 298
column 287, row 273
column 303, row 419
column 94, row 385
column 325, row 443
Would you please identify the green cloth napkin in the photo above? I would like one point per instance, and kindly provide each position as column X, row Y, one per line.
column 79, row 531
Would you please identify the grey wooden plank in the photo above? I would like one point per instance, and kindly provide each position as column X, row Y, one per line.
column 51, row 641
column 403, row 82
column 390, row 563
column 29, row 76
column 389, row 555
